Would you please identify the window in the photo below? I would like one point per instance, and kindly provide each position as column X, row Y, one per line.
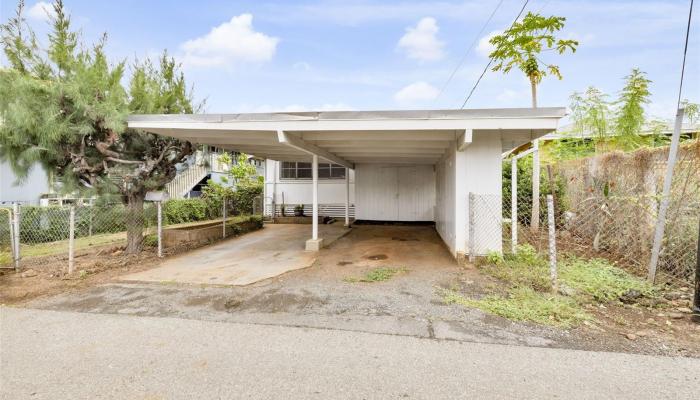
column 302, row 170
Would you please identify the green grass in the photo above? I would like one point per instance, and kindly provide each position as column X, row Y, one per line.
column 377, row 275
column 600, row 280
column 525, row 304
column 529, row 294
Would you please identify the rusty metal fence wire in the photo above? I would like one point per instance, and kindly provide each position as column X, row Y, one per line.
column 604, row 207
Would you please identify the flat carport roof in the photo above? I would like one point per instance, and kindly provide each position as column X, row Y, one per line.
column 350, row 137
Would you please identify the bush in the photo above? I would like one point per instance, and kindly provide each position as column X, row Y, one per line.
column 184, row 210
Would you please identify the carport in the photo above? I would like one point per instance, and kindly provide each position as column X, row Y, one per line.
column 415, row 165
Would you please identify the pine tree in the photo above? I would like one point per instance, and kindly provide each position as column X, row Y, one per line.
column 65, row 109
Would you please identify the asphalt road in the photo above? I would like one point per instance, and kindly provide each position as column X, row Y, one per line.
column 65, row 355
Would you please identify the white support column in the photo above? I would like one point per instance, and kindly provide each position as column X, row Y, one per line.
column 347, row 197
column 535, row 218
column 314, row 244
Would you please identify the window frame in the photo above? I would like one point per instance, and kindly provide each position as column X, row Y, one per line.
column 330, row 167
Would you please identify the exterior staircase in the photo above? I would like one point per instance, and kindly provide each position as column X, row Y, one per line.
column 191, row 174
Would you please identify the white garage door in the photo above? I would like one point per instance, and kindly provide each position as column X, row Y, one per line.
column 394, row 193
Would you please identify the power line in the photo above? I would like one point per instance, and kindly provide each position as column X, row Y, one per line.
column 469, row 50
column 491, row 60
column 685, row 52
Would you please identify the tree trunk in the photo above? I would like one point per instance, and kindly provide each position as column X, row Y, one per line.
column 134, row 223
column 533, row 90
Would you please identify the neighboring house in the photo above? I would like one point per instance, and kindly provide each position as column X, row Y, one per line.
column 406, row 166
column 204, row 165
column 29, row 191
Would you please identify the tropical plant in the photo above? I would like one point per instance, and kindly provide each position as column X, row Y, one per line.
column 590, row 112
column 522, row 44
column 630, row 117
column 65, row 109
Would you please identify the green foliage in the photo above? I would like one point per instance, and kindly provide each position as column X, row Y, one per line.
column 64, row 108
column 150, row 240
column 590, row 112
column 630, row 116
column 494, row 257
column 529, row 296
column 177, row 211
column 378, row 275
column 602, row 281
column 524, row 165
column 525, row 304
column 522, row 44
column 241, row 199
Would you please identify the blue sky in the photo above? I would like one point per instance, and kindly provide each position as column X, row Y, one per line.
column 248, row 56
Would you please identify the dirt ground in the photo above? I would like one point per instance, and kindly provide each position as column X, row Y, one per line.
column 327, row 295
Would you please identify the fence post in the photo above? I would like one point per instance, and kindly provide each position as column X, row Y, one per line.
column 665, row 197
column 224, row 218
column 552, row 243
column 696, row 297
column 160, row 228
column 16, row 220
column 71, row 239
column 514, row 205
column 472, row 240
column 90, row 225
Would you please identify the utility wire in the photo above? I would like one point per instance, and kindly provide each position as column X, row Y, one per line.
column 685, row 52
column 469, row 50
column 491, row 60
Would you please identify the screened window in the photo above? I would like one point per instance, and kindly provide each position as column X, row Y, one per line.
column 302, row 170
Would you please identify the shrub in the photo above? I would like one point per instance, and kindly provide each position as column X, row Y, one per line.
column 184, row 210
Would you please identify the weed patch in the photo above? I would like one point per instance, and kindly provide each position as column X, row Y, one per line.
column 525, row 304
column 529, row 296
column 377, row 275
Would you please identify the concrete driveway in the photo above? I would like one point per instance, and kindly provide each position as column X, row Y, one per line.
column 269, row 252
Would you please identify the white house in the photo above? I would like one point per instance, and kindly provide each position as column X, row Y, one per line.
column 416, row 165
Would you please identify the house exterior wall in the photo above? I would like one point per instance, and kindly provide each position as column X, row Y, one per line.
column 479, row 170
column 28, row 192
column 395, row 193
column 445, row 199
column 330, row 191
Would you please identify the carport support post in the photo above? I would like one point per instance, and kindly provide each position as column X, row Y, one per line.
column 314, row 175
column 347, row 197
column 314, row 244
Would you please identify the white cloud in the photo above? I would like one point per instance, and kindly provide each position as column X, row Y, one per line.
column 301, row 65
column 232, row 42
column 421, row 42
column 41, row 11
column 417, row 92
column 485, row 48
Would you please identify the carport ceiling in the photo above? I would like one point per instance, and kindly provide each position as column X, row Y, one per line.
column 393, row 137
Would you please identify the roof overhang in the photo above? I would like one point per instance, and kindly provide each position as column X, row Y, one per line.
column 349, row 137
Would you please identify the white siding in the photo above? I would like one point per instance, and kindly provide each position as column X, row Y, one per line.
column 445, row 201
column 478, row 170
column 330, row 191
column 395, row 193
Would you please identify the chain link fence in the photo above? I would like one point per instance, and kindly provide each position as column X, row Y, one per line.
column 604, row 207
column 56, row 238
